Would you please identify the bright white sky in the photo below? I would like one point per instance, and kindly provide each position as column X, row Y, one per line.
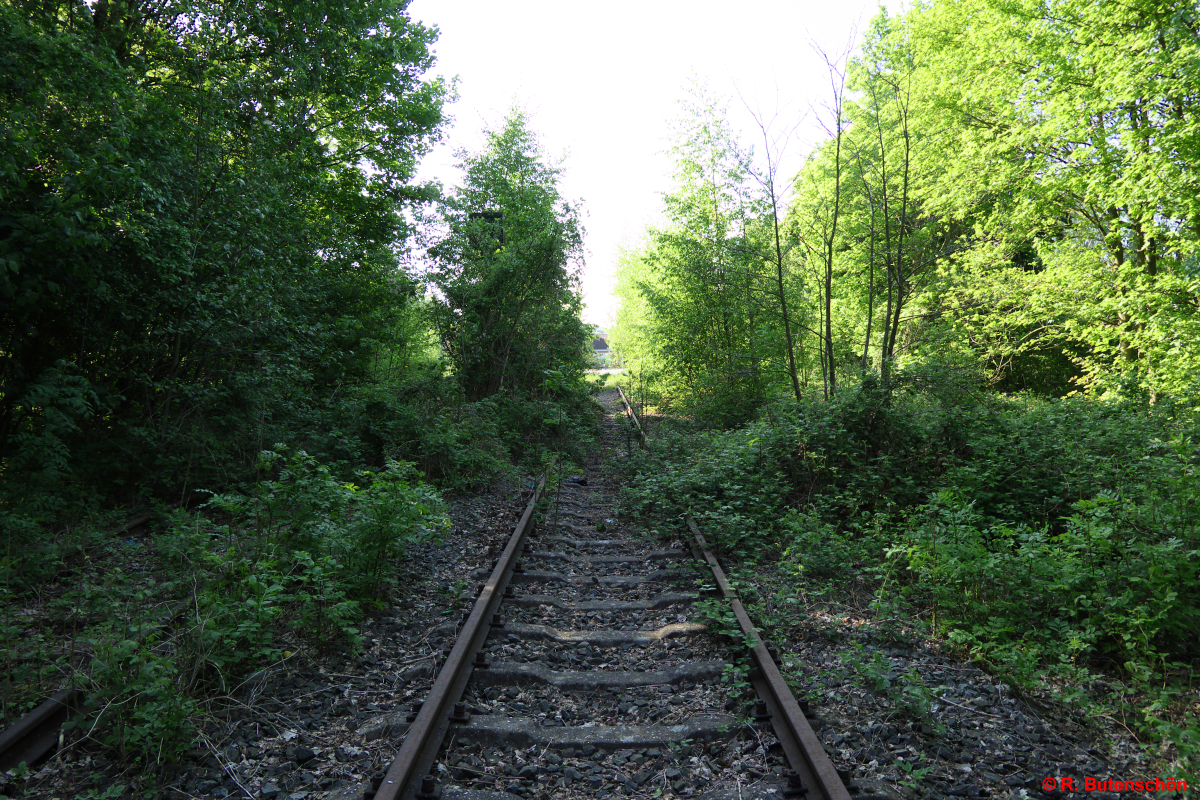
column 601, row 82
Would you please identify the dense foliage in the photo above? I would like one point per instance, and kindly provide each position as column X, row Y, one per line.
column 961, row 345
column 201, row 206
column 1007, row 189
column 225, row 302
column 1052, row 540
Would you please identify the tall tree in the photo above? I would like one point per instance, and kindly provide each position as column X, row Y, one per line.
column 817, row 213
column 769, row 184
column 507, row 267
column 700, row 276
column 199, row 210
column 882, row 77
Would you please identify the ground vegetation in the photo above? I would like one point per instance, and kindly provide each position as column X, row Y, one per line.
column 965, row 373
column 240, row 360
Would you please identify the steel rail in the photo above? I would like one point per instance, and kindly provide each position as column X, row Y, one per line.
column 36, row 734
column 419, row 750
column 800, row 744
column 631, row 415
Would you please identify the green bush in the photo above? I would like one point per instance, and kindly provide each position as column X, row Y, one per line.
column 820, row 549
column 1084, row 511
column 1101, row 588
column 139, row 705
column 301, row 554
column 323, row 543
column 1051, row 539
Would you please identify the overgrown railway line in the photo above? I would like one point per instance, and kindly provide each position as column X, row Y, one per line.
column 578, row 667
column 653, row 730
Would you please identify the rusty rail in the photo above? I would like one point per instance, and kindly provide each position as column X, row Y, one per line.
column 629, row 412
column 35, row 735
column 800, row 744
column 418, row 752
column 803, row 749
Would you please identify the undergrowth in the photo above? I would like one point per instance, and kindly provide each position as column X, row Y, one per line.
column 292, row 560
column 1056, row 542
column 284, row 555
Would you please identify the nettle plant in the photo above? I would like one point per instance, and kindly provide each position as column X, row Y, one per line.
column 303, row 553
column 330, row 540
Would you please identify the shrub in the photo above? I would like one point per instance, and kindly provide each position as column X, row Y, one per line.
column 1051, row 539
column 300, row 555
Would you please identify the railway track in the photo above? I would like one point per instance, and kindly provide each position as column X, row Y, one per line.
column 35, row 736
column 578, row 674
column 594, row 683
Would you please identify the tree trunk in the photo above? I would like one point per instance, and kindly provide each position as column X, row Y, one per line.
column 884, row 355
column 900, row 228
column 829, row 242
column 870, row 270
column 787, row 325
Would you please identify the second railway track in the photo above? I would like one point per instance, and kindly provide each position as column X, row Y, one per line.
column 579, row 673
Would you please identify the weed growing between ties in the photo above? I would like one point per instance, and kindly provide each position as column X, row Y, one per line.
column 1056, row 542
